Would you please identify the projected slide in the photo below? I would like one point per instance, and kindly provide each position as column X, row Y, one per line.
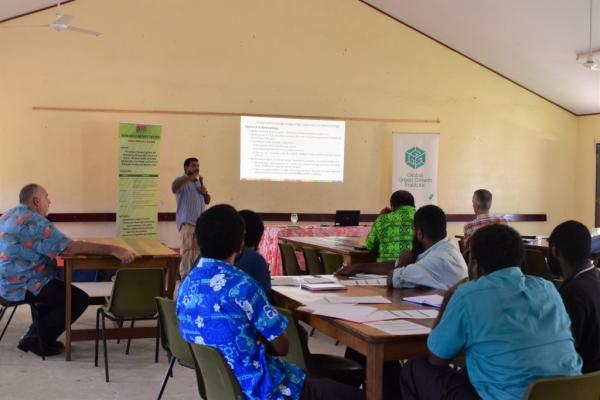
column 282, row 149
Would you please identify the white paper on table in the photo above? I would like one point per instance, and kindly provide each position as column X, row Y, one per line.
column 434, row 300
column 318, row 279
column 348, row 312
column 335, row 299
column 365, row 282
column 416, row 314
column 400, row 327
column 284, row 281
column 368, row 276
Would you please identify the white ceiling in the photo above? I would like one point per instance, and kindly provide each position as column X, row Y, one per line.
column 12, row 8
column 531, row 42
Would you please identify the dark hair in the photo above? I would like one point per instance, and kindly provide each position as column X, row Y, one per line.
column 431, row 220
column 573, row 240
column 219, row 231
column 188, row 161
column 496, row 246
column 401, row 198
column 254, row 228
column 27, row 193
column 484, row 198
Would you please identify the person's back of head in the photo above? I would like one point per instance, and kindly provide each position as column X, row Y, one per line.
column 495, row 247
column 254, row 228
column 220, row 232
column 431, row 221
column 28, row 192
column 572, row 241
column 401, row 198
column 482, row 198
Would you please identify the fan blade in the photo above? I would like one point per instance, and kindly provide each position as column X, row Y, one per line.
column 64, row 19
column 23, row 26
column 81, row 30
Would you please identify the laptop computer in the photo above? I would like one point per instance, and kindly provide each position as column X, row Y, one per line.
column 347, row 217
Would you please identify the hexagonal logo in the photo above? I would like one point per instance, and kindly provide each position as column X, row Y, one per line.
column 415, row 157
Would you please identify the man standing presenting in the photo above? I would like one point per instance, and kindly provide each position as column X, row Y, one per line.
column 192, row 198
column 29, row 244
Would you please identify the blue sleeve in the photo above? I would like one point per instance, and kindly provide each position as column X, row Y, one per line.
column 265, row 318
column 449, row 337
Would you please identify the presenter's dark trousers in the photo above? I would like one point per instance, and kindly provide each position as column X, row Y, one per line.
column 50, row 303
column 423, row 381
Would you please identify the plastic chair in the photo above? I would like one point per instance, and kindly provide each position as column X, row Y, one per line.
column 581, row 387
column 313, row 263
column 535, row 264
column 331, row 262
column 215, row 378
column 321, row 365
column 6, row 304
column 176, row 347
column 289, row 260
column 132, row 298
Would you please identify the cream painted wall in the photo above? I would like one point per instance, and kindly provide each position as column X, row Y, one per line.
column 588, row 136
column 313, row 57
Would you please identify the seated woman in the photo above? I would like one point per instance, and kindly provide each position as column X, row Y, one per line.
column 251, row 262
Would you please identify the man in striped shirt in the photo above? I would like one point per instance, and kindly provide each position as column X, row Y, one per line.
column 192, row 198
column 482, row 202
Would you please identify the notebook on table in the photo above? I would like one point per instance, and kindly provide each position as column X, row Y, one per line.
column 433, row 300
column 319, row 287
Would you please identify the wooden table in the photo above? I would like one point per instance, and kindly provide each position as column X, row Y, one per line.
column 376, row 345
column 150, row 253
column 351, row 248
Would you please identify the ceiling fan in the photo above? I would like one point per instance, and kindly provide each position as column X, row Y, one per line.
column 589, row 61
column 61, row 23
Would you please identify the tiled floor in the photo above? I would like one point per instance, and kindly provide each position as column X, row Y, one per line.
column 25, row 376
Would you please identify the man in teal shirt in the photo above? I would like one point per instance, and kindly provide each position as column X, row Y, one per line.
column 513, row 327
column 392, row 232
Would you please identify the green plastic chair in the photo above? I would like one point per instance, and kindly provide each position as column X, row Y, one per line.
column 331, row 262
column 321, row 365
column 313, row 263
column 581, row 387
column 215, row 379
column 132, row 298
column 176, row 347
column 289, row 260
column 535, row 264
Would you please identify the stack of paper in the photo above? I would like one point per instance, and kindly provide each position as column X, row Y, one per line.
column 284, row 281
column 434, row 300
column 362, row 314
column 316, row 287
column 365, row 282
column 400, row 327
column 335, row 299
column 318, row 279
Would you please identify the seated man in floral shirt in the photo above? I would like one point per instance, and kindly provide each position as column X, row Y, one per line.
column 221, row 306
column 29, row 244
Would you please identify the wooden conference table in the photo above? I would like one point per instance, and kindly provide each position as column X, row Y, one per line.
column 351, row 248
column 150, row 253
column 376, row 345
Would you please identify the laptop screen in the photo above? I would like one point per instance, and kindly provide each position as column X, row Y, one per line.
column 347, row 217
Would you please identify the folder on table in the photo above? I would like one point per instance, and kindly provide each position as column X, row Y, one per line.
column 318, row 287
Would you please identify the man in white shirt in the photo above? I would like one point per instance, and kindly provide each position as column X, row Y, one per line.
column 434, row 261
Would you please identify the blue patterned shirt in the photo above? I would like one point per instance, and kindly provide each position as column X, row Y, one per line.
column 221, row 306
column 29, row 243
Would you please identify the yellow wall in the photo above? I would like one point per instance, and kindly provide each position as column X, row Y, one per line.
column 589, row 135
column 308, row 57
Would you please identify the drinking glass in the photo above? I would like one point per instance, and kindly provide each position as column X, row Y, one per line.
column 294, row 218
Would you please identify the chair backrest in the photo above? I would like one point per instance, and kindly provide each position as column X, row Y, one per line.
column 535, row 264
column 134, row 291
column 290, row 262
column 581, row 387
column 214, row 375
column 331, row 262
column 312, row 261
column 298, row 352
column 171, row 340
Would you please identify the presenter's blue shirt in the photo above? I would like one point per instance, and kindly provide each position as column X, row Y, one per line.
column 29, row 244
column 514, row 328
column 221, row 306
